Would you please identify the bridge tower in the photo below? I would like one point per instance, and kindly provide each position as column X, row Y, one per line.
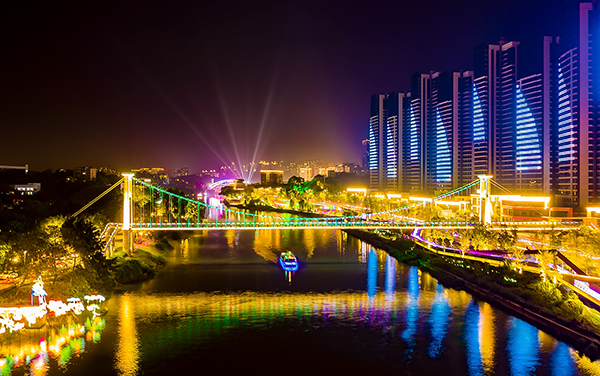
column 127, row 199
column 485, row 204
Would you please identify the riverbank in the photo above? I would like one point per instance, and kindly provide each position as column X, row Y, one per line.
column 143, row 264
column 77, row 281
column 556, row 311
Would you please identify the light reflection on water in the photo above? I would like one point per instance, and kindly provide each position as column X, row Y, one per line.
column 127, row 354
column 58, row 342
column 348, row 306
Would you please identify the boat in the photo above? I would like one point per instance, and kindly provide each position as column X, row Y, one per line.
column 288, row 261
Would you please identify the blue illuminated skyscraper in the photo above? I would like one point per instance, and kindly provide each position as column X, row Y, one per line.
column 575, row 175
column 442, row 132
column 533, row 116
column 419, row 110
column 528, row 114
column 506, row 115
column 465, row 129
column 484, row 107
column 385, row 125
column 377, row 139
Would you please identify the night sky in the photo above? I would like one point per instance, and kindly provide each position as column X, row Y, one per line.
column 146, row 84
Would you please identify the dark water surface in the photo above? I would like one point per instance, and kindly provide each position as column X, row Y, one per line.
column 223, row 306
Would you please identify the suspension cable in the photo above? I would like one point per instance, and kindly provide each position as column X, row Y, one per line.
column 99, row 197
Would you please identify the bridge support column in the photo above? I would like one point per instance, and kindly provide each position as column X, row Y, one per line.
column 485, row 204
column 127, row 198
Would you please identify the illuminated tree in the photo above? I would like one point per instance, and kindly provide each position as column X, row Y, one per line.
column 84, row 239
column 466, row 236
column 174, row 204
column 141, row 196
column 547, row 259
column 506, row 240
column 483, row 239
column 55, row 247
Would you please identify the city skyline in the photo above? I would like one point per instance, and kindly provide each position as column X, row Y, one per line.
column 128, row 86
column 527, row 115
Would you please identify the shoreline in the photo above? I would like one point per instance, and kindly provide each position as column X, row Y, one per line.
column 575, row 334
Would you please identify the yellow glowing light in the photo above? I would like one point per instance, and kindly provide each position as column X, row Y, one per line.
column 127, row 346
column 422, row 199
column 519, row 198
column 362, row 191
column 487, row 338
column 451, row 203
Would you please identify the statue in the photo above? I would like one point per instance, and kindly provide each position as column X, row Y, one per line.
column 38, row 290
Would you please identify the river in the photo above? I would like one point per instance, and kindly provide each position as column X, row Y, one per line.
column 222, row 305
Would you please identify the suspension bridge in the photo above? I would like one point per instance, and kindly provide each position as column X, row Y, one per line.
column 150, row 208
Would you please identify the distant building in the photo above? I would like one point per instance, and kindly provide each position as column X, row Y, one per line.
column 306, row 173
column 184, row 171
column 365, row 154
column 109, row 171
column 271, row 176
column 27, row 189
column 211, row 173
column 239, row 185
column 85, row 173
column 151, row 171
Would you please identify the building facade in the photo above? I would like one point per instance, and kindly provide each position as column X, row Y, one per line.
column 528, row 114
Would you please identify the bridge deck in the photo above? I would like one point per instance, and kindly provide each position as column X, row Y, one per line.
column 312, row 224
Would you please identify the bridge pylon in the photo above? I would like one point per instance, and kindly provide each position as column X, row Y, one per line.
column 127, row 200
column 485, row 204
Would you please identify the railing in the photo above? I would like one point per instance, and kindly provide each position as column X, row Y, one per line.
column 300, row 224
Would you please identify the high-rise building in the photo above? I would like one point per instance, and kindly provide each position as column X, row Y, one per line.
column 442, row 131
column 574, row 132
column 485, row 79
column 394, row 125
column 506, row 115
column 528, row 114
column 377, row 143
column 271, row 176
column 464, row 144
column 533, row 100
column 385, row 125
column 414, row 153
column 365, row 154
column 306, row 173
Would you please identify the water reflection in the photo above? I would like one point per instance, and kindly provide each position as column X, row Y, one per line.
column 480, row 338
column 390, row 278
column 60, row 340
column 393, row 316
column 372, row 274
column 522, row 347
column 439, row 320
column 127, row 353
column 411, row 313
column 561, row 362
column 471, row 338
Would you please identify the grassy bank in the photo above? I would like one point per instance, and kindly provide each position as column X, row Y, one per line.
column 554, row 309
column 144, row 263
column 78, row 281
